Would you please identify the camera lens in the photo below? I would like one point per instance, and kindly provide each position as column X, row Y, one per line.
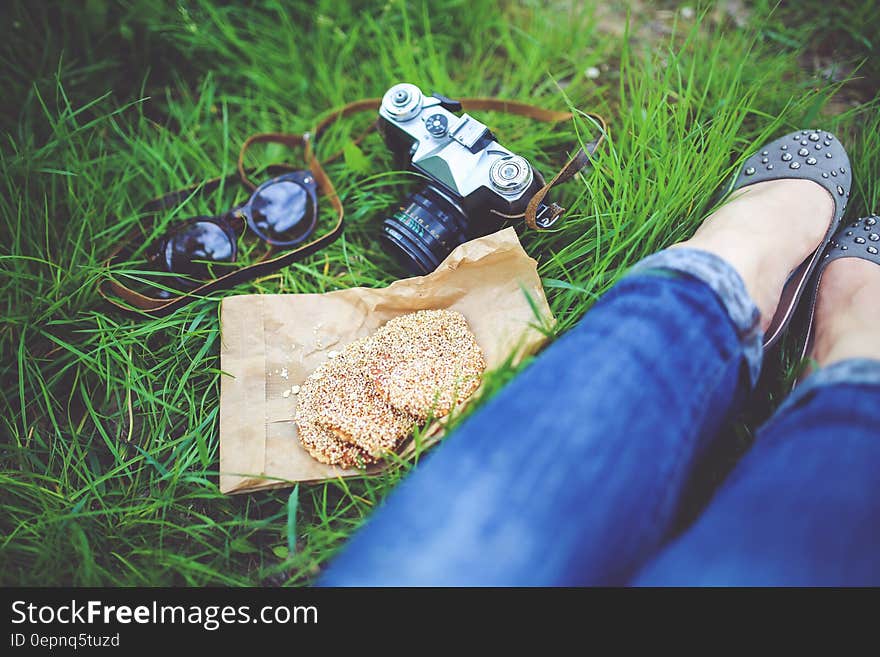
column 424, row 230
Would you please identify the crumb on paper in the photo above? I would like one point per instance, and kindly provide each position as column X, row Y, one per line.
column 294, row 390
column 283, row 372
column 285, row 394
column 332, row 353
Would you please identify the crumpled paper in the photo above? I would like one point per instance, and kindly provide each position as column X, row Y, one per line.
column 272, row 342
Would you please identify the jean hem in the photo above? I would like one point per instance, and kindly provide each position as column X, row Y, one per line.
column 854, row 371
column 727, row 285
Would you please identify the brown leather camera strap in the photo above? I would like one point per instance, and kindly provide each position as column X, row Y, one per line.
column 577, row 162
column 129, row 300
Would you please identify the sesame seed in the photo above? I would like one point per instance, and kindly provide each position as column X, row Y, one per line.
column 427, row 362
column 324, row 447
column 364, row 400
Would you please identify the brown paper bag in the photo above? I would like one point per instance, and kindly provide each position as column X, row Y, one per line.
column 272, row 342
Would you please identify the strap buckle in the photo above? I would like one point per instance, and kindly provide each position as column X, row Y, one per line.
column 548, row 214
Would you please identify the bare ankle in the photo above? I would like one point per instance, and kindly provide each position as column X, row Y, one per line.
column 847, row 319
column 765, row 232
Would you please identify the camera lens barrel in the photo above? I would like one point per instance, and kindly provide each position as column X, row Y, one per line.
column 424, row 230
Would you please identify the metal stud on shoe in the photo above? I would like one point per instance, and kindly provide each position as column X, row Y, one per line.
column 872, row 250
column 802, row 161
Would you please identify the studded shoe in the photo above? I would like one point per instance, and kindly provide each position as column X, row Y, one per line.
column 858, row 239
column 808, row 155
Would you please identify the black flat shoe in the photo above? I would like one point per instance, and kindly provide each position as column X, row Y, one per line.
column 859, row 239
column 807, row 155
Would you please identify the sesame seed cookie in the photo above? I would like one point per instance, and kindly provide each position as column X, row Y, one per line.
column 323, row 446
column 340, row 397
column 425, row 363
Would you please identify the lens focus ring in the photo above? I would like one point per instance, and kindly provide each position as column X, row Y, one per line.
column 425, row 230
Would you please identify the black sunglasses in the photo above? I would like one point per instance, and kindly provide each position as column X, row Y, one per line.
column 282, row 212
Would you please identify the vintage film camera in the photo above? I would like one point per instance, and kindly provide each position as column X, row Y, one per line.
column 473, row 183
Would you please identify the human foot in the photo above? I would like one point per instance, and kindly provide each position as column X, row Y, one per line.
column 765, row 232
column 784, row 197
column 847, row 314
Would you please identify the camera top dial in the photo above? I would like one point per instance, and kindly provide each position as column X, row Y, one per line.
column 403, row 102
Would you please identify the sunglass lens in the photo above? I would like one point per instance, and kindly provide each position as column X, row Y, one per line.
column 283, row 213
column 195, row 247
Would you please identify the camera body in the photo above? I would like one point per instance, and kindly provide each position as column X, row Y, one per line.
column 472, row 180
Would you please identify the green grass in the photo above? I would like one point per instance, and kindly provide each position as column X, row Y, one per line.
column 109, row 425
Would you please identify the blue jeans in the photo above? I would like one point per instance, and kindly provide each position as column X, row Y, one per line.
column 574, row 474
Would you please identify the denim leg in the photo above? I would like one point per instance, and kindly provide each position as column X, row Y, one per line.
column 802, row 508
column 573, row 472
